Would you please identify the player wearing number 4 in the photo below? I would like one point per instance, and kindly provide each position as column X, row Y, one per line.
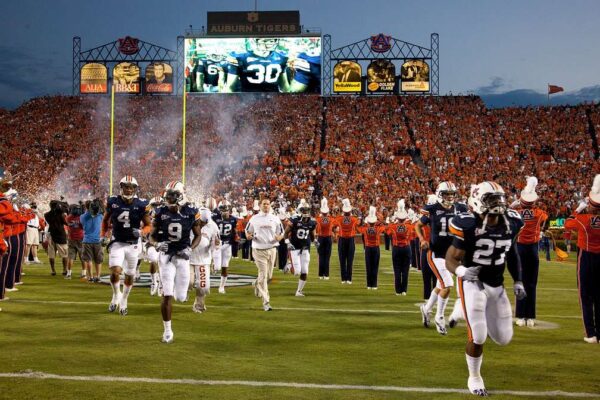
column 171, row 236
column 483, row 243
column 438, row 216
column 125, row 213
column 299, row 233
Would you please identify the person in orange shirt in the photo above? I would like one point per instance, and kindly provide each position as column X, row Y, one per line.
column 587, row 225
column 401, row 230
column 346, row 224
column 528, row 246
column 324, row 238
column 372, row 238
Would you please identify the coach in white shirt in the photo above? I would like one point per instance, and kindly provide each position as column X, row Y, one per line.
column 265, row 230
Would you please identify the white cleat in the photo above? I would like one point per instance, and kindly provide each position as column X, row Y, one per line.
column 123, row 310
column 198, row 307
column 477, row 387
column 112, row 307
column 424, row 316
column 299, row 294
column 167, row 337
column 440, row 325
column 221, row 290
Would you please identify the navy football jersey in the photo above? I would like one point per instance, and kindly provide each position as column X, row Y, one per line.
column 175, row 227
column 308, row 71
column 300, row 234
column 226, row 227
column 126, row 217
column 487, row 249
column 210, row 69
column 257, row 74
column 438, row 218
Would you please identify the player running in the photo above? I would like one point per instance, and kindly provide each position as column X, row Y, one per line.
column 226, row 224
column 299, row 233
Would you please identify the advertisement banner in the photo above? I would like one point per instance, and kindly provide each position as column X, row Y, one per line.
column 381, row 76
column 159, row 78
column 126, row 78
column 268, row 64
column 347, row 77
column 414, row 76
column 94, row 78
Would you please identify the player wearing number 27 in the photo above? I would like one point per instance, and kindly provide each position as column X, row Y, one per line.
column 484, row 241
column 125, row 213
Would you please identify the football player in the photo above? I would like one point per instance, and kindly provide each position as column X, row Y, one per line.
column 150, row 252
column 226, row 224
column 299, row 233
column 171, row 236
column 260, row 69
column 201, row 259
column 306, row 68
column 483, row 243
column 212, row 73
column 438, row 216
column 125, row 213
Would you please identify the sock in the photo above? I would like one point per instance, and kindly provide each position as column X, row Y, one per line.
column 167, row 325
column 223, row 281
column 441, row 307
column 126, row 290
column 431, row 301
column 474, row 365
column 83, row 273
column 457, row 311
column 116, row 287
column 301, row 284
column 155, row 278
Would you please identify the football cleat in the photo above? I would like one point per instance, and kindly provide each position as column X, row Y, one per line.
column 267, row 307
column 167, row 337
column 477, row 387
column 123, row 311
column 222, row 290
column 452, row 322
column 299, row 294
column 199, row 307
column 424, row 315
column 590, row 339
column 440, row 325
column 520, row 322
column 326, row 278
column 112, row 307
column 530, row 323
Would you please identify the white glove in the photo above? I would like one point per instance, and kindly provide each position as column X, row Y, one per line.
column 290, row 246
column 582, row 206
column 317, row 244
column 468, row 274
column 162, row 246
column 519, row 290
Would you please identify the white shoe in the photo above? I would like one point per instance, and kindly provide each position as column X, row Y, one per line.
column 403, row 293
column 326, row 278
column 267, row 307
column 112, row 307
column 424, row 316
column 440, row 325
column 167, row 337
column 37, row 261
column 344, row 282
column 123, row 310
column 477, row 387
column 299, row 294
column 520, row 322
column 368, row 287
column 198, row 307
column 320, row 278
column 530, row 323
column 12, row 289
column 590, row 339
column 349, row 282
column 153, row 289
column 222, row 290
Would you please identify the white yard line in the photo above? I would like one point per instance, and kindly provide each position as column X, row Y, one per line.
column 293, row 385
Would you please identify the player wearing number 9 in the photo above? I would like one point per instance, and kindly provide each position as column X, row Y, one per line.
column 125, row 213
column 483, row 243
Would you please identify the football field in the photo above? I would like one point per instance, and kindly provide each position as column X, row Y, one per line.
column 58, row 341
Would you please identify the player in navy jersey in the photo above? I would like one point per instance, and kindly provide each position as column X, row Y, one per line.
column 307, row 68
column 299, row 233
column 222, row 254
column 212, row 73
column 260, row 69
column 438, row 216
column 125, row 213
column 172, row 226
column 483, row 244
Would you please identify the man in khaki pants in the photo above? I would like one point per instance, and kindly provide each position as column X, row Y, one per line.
column 265, row 230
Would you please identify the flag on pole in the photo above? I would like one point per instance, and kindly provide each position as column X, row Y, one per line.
column 555, row 89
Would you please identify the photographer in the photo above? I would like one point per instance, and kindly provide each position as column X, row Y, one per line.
column 92, row 248
column 56, row 219
column 75, row 237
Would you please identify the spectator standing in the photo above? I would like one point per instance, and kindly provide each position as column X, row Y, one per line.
column 91, row 221
column 56, row 219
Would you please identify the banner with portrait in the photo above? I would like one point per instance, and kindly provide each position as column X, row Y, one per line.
column 381, row 76
column 126, row 78
column 347, row 77
column 94, row 78
column 159, row 78
column 414, row 76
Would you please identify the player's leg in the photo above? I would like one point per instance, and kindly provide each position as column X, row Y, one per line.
column 531, row 289
column 457, row 313
column 131, row 262
column 474, row 308
column 225, row 259
column 304, row 261
column 182, row 279
column 51, row 255
column 498, row 315
column 443, row 294
column 72, row 256
column 350, row 259
column 216, row 255
column 116, row 260
column 203, row 288
column 262, row 264
column 405, row 260
column 396, row 265
column 167, row 277
column 525, row 254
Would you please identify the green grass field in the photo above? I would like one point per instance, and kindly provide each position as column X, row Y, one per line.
column 338, row 342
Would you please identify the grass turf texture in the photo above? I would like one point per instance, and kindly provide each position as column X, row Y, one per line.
column 337, row 334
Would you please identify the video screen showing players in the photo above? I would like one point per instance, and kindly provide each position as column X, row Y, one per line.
column 267, row 64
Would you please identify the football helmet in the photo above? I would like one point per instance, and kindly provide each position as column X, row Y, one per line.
column 157, row 201
column 488, row 198
column 224, row 206
column 128, row 182
column 304, row 209
column 174, row 193
column 261, row 47
column 446, row 194
column 5, row 181
column 214, row 56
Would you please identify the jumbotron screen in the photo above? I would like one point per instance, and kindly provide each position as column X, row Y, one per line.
column 267, row 64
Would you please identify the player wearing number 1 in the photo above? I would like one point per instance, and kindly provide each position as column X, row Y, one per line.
column 438, row 216
column 125, row 213
column 299, row 233
column 260, row 69
column 484, row 241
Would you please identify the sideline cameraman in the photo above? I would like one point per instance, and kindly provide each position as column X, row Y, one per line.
column 92, row 247
column 56, row 219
